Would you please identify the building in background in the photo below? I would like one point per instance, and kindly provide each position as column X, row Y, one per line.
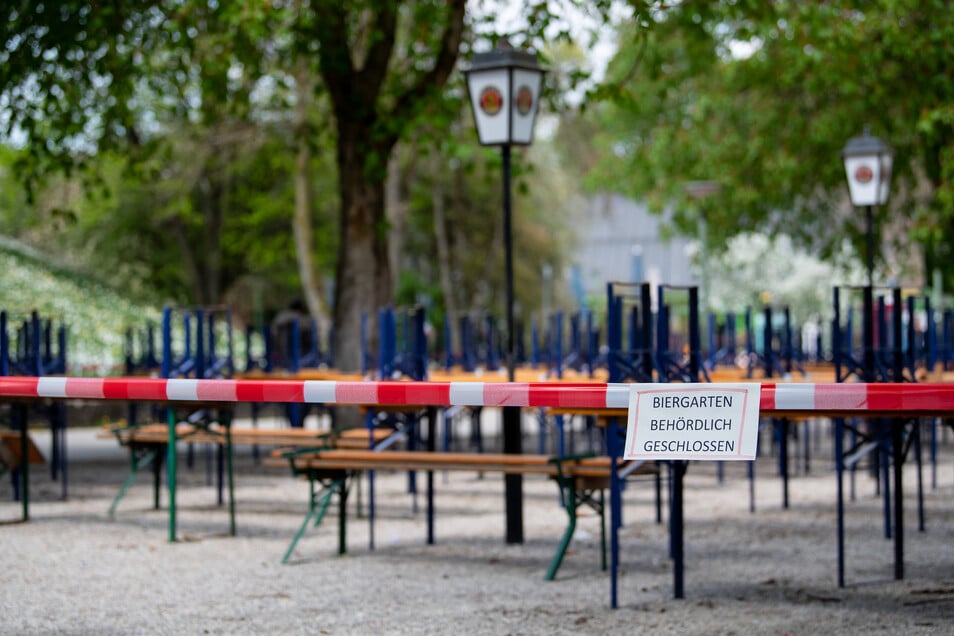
column 620, row 240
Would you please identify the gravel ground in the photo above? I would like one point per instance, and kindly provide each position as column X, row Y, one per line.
column 73, row 570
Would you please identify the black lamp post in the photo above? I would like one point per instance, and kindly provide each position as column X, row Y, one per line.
column 868, row 168
column 504, row 86
column 868, row 163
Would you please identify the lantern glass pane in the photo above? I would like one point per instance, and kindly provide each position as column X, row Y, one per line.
column 863, row 179
column 490, row 99
column 525, row 104
column 884, row 181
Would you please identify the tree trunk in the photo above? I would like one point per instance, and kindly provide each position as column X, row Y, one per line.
column 443, row 253
column 304, row 201
column 363, row 273
column 396, row 210
column 187, row 254
column 369, row 120
column 216, row 201
column 485, row 296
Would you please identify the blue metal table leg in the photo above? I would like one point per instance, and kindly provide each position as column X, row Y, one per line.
column 369, row 423
column 920, row 468
column 897, row 447
column 782, row 427
column 20, row 411
column 616, row 504
column 840, row 506
column 751, row 473
column 886, row 441
column 431, row 447
column 676, row 528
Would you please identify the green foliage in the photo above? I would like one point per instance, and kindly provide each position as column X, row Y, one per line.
column 197, row 195
column 761, row 97
column 96, row 316
column 159, row 139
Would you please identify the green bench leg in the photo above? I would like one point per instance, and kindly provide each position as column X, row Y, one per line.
column 571, row 501
column 317, row 507
column 136, row 463
column 568, row 494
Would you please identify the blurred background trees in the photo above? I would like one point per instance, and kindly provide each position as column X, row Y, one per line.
column 191, row 151
column 760, row 97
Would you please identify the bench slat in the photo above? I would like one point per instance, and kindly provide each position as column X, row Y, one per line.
column 10, row 449
column 159, row 434
column 433, row 461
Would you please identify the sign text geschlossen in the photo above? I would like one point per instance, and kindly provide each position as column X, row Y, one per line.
column 712, row 421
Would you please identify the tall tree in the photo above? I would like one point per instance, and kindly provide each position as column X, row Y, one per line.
column 79, row 78
column 761, row 97
column 302, row 227
column 374, row 98
column 164, row 87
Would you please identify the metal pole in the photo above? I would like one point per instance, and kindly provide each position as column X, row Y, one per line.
column 171, row 470
column 869, row 237
column 513, row 484
column 868, row 323
column 840, row 507
column 431, row 447
column 508, row 254
column 677, row 528
column 867, row 334
column 897, row 441
column 20, row 412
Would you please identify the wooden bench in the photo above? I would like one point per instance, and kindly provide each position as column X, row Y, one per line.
column 581, row 480
column 357, row 438
column 13, row 447
column 148, row 445
column 11, row 451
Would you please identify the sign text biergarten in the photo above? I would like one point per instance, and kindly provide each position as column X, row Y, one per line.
column 684, row 421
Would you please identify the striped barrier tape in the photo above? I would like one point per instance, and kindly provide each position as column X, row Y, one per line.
column 847, row 398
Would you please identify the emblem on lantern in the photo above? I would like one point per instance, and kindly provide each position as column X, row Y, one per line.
column 524, row 100
column 491, row 101
column 863, row 174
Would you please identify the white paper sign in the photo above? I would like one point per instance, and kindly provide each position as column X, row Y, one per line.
column 693, row 421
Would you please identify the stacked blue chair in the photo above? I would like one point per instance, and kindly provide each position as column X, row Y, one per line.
column 884, row 355
column 723, row 346
column 201, row 336
column 139, row 351
column 38, row 348
column 197, row 343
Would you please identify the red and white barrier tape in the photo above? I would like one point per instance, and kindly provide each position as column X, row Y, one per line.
column 934, row 398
